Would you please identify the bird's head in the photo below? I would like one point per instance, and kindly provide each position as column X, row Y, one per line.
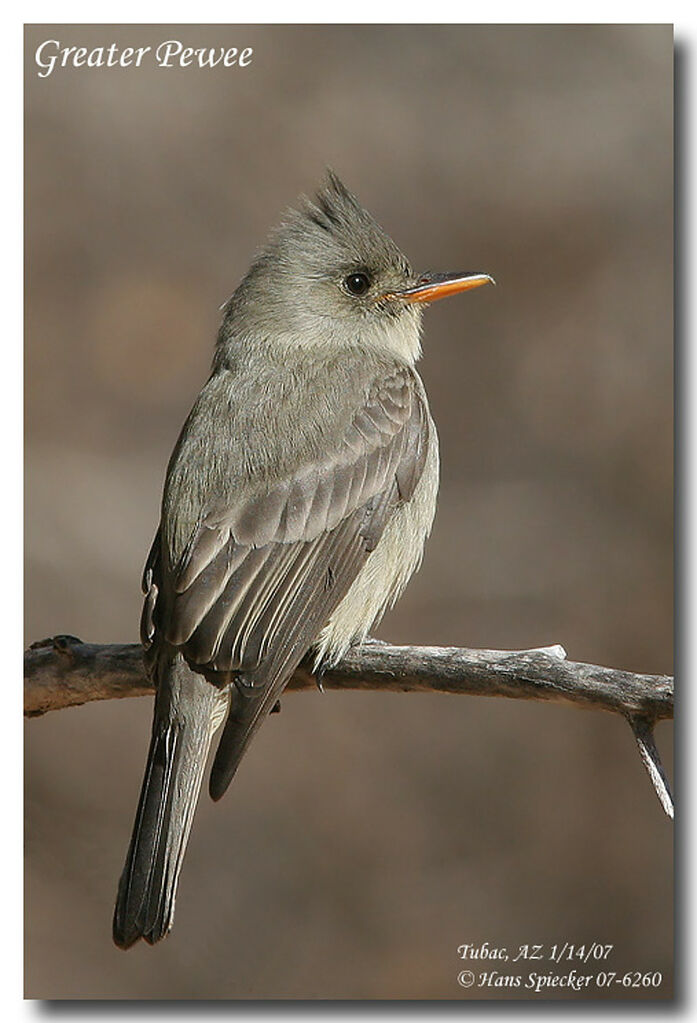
column 331, row 277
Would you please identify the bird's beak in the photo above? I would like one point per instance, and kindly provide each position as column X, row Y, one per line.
column 431, row 287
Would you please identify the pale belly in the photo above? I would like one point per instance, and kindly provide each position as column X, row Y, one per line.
column 388, row 568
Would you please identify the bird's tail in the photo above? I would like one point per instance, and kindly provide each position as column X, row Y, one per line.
column 187, row 711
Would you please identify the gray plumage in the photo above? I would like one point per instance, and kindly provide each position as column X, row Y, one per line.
column 296, row 505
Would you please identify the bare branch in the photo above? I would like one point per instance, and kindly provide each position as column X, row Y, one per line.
column 64, row 672
column 643, row 733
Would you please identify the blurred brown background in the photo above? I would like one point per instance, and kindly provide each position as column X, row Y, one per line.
column 367, row 835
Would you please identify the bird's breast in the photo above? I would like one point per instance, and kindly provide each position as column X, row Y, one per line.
column 389, row 567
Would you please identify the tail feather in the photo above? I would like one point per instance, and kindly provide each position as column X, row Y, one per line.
column 187, row 707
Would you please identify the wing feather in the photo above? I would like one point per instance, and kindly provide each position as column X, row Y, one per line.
column 204, row 545
column 259, row 579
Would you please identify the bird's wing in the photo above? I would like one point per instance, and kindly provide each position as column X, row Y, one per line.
column 257, row 582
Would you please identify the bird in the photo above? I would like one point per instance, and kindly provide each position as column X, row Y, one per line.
column 296, row 505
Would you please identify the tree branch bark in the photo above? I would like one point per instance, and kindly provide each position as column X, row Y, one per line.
column 64, row 672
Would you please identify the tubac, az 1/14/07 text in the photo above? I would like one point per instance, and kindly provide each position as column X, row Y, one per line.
column 171, row 53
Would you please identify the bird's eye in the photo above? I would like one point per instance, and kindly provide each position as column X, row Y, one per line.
column 357, row 284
